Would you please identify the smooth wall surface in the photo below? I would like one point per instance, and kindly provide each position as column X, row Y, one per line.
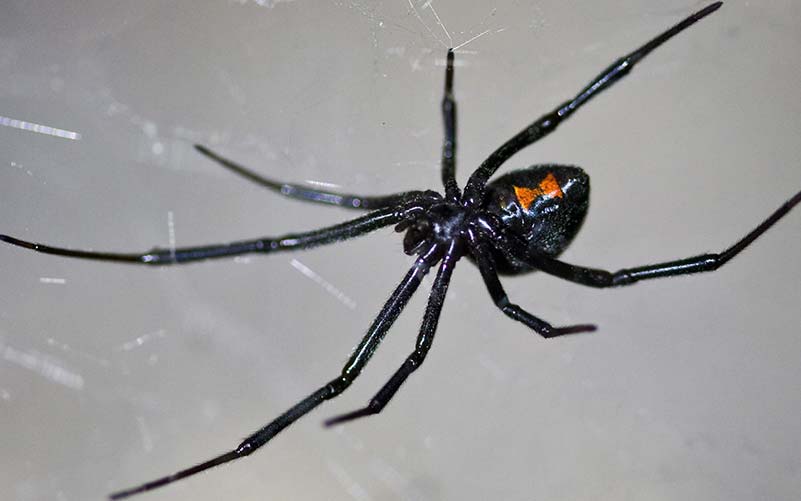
column 111, row 375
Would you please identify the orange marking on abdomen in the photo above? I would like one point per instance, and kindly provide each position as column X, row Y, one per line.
column 549, row 187
column 526, row 195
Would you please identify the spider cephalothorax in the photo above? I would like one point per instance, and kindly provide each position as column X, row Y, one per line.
column 519, row 222
column 440, row 224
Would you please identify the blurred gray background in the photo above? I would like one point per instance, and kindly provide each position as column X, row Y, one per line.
column 111, row 375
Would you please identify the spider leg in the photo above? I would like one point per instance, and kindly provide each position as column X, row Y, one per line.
column 351, row 370
column 626, row 276
column 486, row 266
column 449, row 142
column 424, row 340
column 548, row 122
column 307, row 194
column 265, row 245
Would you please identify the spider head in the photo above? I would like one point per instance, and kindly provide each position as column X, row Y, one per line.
column 438, row 224
column 544, row 205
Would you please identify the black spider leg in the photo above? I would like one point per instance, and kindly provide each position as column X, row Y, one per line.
column 307, row 194
column 695, row 264
column 440, row 287
column 474, row 190
column 265, row 245
column 424, row 339
column 452, row 192
column 351, row 370
column 486, row 266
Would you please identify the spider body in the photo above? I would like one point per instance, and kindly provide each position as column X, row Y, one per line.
column 520, row 222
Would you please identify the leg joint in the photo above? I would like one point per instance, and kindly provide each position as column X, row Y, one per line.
column 337, row 386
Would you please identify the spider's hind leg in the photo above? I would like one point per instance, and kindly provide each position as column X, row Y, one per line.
column 695, row 264
column 299, row 192
column 476, row 185
column 490, row 275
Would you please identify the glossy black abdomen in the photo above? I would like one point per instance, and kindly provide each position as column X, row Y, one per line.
column 542, row 205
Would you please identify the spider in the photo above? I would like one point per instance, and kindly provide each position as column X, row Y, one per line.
column 520, row 222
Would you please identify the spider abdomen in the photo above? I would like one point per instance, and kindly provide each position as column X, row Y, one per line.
column 542, row 205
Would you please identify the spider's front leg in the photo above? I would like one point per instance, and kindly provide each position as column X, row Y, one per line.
column 424, row 339
column 349, row 229
column 361, row 355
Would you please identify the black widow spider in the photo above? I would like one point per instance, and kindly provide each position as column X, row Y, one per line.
column 518, row 223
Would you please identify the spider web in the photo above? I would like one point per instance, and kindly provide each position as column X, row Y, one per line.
column 112, row 375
